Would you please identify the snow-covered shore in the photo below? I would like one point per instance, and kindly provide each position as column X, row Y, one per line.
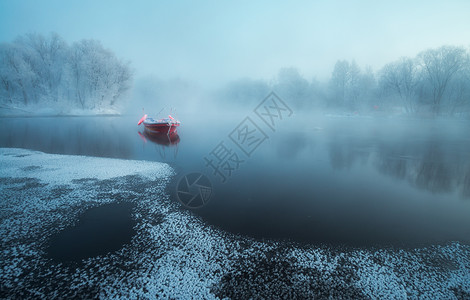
column 53, row 111
column 175, row 255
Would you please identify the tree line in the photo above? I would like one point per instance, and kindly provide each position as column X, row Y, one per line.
column 45, row 70
column 435, row 82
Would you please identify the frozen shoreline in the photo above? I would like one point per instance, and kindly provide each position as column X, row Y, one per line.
column 175, row 254
column 40, row 111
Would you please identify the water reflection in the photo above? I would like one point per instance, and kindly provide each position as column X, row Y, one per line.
column 162, row 140
column 91, row 136
column 354, row 181
column 432, row 163
column 466, row 185
column 291, row 145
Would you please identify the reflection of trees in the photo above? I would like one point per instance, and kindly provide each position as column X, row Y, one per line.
column 340, row 156
column 345, row 151
column 435, row 165
column 76, row 136
column 425, row 167
column 433, row 172
column 291, row 145
column 466, row 185
column 389, row 162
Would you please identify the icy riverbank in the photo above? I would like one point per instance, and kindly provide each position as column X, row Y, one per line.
column 51, row 111
column 173, row 254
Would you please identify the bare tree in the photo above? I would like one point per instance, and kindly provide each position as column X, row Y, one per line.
column 439, row 66
column 290, row 84
column 354, row 87
column 339, row 82
column 368, row 88
column 349, row 86
column 459, row 93
column 401, row 78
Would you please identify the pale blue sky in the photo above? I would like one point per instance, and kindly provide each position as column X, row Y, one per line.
column 215, row 41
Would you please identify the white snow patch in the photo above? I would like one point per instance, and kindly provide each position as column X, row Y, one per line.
column 62, row 169
column 180, row 256
column 48, row 111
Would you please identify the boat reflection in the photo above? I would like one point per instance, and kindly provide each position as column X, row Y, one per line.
column 162, row 140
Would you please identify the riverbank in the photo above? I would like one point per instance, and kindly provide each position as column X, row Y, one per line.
column 173, row 254
column 42, row 111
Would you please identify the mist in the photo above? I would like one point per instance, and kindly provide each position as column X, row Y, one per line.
column 211, row 44
column 235, row 150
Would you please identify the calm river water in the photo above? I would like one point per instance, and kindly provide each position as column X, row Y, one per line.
column 329, row 179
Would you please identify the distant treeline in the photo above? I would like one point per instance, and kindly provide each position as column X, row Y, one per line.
column 39, row 70
column 47, row 71
column 435, row 82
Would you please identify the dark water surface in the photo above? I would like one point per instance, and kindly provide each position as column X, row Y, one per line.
column 100, row 230
column 346, row 180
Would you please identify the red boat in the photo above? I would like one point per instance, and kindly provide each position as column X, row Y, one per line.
column 165, row 125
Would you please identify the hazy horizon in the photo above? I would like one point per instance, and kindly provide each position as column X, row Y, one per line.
column 213, row 42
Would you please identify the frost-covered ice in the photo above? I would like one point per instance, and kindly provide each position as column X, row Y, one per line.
column 63, row 169
column 176, row 255
column 42, row 110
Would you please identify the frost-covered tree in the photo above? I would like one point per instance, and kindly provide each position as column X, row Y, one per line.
column 244, row 91
column 16, row 75
column 292, row 86
column 367, row 88
column 350, row 87
column 98, row 78
column 354, row 88
column 46, row 56
column 35, row 69
column 339, row 82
